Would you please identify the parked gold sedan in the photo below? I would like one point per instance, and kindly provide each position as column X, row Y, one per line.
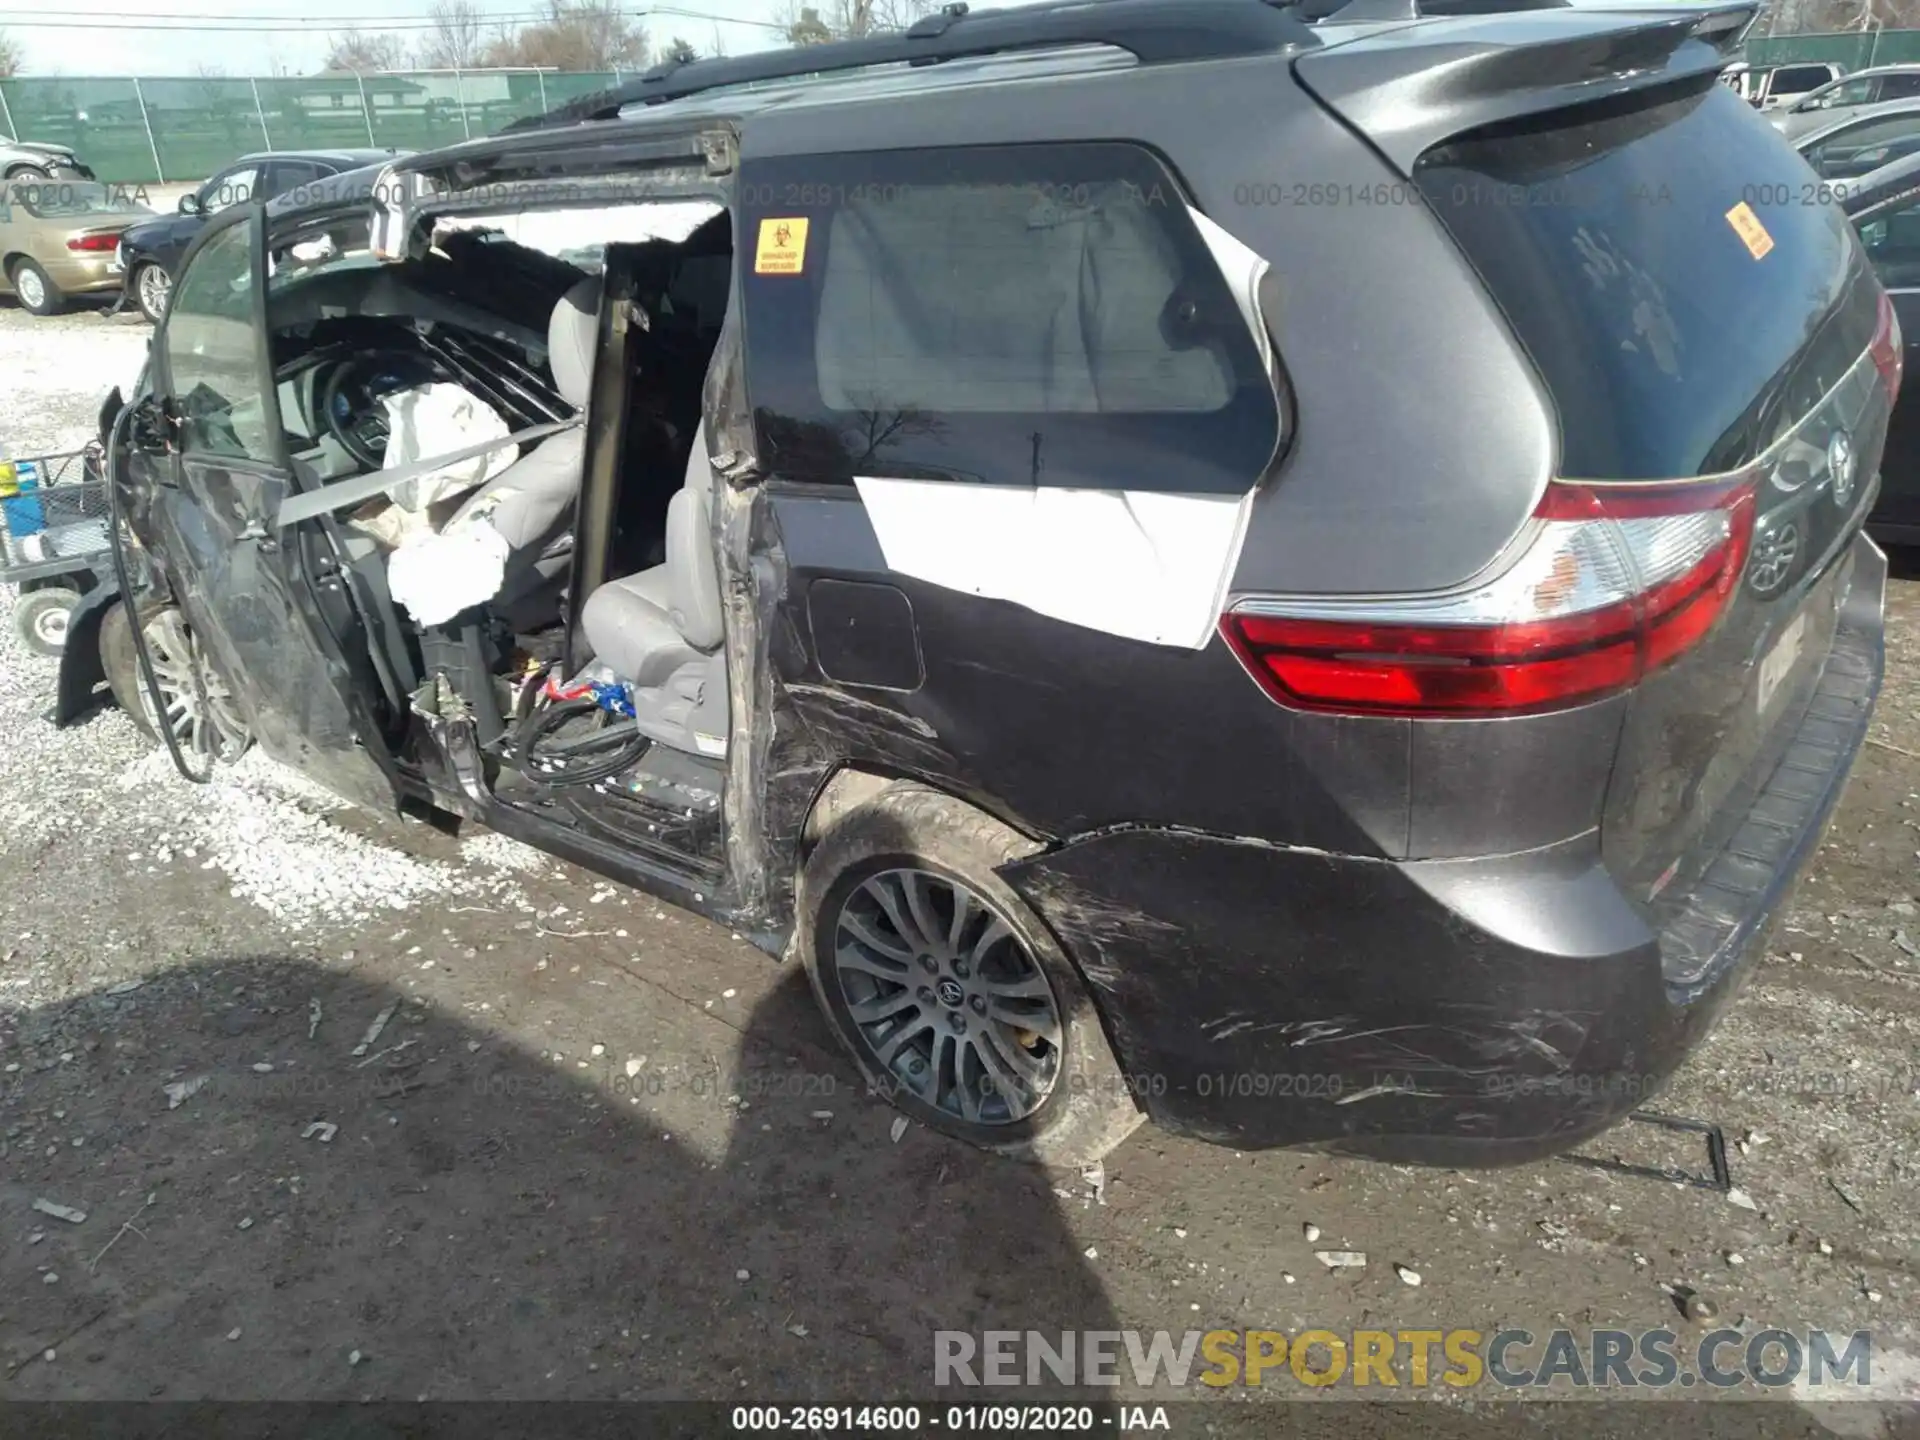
column 60, row 238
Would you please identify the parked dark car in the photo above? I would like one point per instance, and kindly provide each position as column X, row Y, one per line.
column 1856, row 145
column 1167, row 588
column 1885, row 208
column 150, row 254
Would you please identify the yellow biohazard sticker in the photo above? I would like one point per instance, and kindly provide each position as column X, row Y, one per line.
column 1752, row 233
column 782, row 249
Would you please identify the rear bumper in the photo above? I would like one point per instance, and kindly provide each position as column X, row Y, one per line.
column 1456, row 1012
column 85, row 276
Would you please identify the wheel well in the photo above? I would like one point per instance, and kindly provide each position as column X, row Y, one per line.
column 20, row 167
column 852, row 786
column 9, row 260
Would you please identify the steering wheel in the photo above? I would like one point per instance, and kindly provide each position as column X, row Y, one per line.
column 350, row 401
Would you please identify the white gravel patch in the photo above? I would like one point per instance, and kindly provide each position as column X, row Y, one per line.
column 498, row 852
column 58, row 369
column 265, row 827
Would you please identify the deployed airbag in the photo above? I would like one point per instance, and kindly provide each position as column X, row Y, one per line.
column 438, row 419
column 436, row 576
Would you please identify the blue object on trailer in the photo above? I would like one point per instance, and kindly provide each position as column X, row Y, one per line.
column 21, row 508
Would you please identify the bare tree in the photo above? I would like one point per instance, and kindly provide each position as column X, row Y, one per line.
column 805, row 27
column 719, row 47
column 364, row 54
column 851, row 19
column 575, row 35
column 10, row 57
column 679, row 52
column 455, row 40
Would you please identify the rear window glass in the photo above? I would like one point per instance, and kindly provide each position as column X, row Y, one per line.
column 1679, row 280
column 1032, row 315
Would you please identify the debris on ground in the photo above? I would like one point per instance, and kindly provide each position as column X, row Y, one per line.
column 313, row 1017
column 60, row 1212
column 1341, row 1259
column 1737, row 1196
column 151, row 1200
column 322, row 1130
column 1095, row 1175
column 1311, row 1231
column 373, row 1031
column 899, row 1128
column 1407, row 1276
column 178, row 1092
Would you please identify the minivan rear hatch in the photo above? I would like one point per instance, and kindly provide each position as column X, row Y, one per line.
column 1697, row 310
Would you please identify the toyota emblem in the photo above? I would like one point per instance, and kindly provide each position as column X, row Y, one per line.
column 1841, row 465
column 1774, row 554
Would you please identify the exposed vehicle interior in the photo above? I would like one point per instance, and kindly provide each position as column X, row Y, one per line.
column 452, row 404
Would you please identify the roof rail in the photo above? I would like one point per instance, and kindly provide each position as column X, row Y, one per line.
column 1347, row 12
column 1153, row 31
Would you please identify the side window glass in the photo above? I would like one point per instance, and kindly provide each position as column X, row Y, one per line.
column 1899, row 87
column 235, row 187
column 1892, row 243
column 1010, row 315
column 1858, row 149
column 214, row 352
column 291, row 175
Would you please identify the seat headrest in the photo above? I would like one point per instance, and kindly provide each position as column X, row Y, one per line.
column 572, row 334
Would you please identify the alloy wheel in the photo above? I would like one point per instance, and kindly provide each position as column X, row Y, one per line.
column 199, row 706
column 155, row 287
column 946, row 998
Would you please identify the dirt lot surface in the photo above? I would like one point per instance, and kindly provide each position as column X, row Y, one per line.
column 602, row 1149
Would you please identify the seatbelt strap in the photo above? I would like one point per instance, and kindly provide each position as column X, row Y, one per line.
column 361, row 488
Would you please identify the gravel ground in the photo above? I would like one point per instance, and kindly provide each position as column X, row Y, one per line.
column 603, row 1149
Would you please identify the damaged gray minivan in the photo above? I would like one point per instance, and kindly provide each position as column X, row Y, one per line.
column 1185, row 557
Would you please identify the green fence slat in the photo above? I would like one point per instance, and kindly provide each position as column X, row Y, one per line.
column 200, row 124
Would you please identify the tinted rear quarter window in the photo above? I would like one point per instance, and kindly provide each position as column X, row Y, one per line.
column 1020, row 315
column 1620, row 239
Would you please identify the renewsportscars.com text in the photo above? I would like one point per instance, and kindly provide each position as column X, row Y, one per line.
column 1406, row 1359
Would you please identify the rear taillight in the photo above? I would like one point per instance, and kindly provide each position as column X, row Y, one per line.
column 1615, row 581
column 94, row 242
column 1889, row 353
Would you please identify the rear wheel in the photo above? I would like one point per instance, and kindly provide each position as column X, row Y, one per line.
column 151, row 287
column 35, row 289
column 40, row 618
column 950, row 994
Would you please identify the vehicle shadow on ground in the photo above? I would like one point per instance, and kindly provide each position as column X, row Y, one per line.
column 482, row 1222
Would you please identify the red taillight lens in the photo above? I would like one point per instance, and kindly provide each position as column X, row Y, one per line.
column 94, row 242
column 1616, row 581
column 1889, row 347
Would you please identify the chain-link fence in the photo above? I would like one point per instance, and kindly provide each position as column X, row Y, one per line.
column 1852, row 48
column 158, row 130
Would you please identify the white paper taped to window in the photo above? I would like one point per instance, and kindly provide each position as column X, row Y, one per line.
column 1134, row 563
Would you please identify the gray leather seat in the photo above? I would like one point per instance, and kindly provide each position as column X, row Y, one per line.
column 663, row 630
column 532, row 499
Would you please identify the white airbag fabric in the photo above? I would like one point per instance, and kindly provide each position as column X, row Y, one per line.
column 1134, row 563
column 439, row 419
column 436, row 576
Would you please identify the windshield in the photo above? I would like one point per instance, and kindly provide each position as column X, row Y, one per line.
column 62, row 200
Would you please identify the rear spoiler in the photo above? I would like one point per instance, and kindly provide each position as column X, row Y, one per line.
column 1408, row 89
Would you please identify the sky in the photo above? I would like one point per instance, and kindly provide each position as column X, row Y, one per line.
column 78, row 38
